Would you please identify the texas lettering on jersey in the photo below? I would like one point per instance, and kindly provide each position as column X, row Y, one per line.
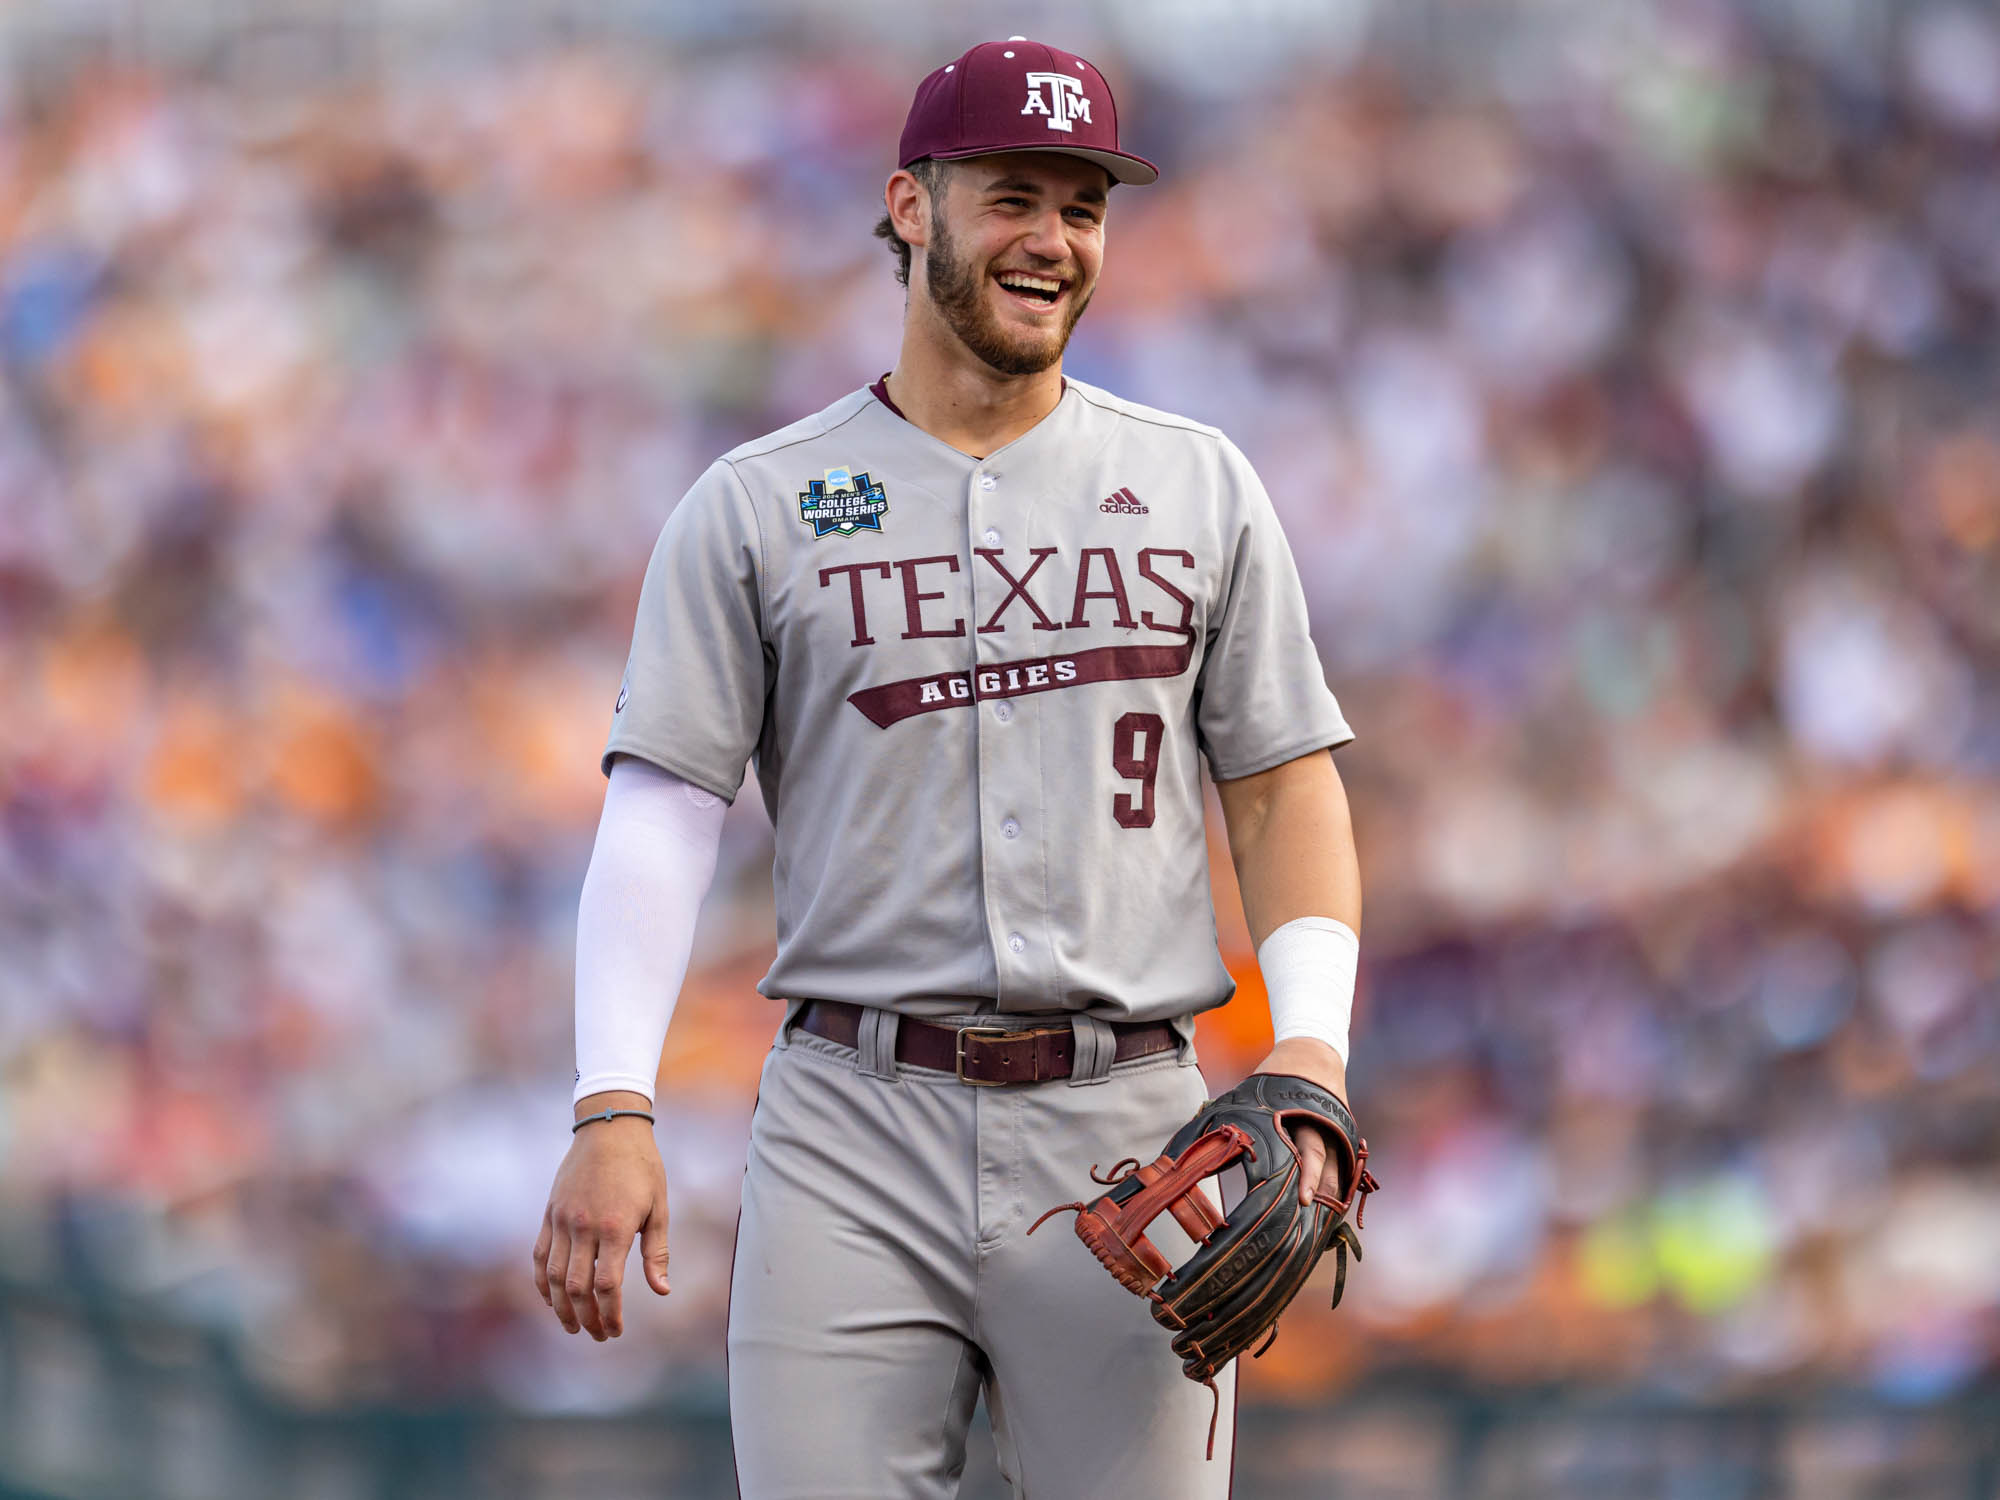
column 890, row 702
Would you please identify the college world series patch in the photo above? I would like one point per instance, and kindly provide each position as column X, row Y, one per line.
column 843, row 502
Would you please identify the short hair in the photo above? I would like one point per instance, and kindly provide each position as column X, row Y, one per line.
column 932, row 174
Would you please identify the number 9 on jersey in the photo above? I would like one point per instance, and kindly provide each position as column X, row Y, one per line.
column 1135, row 755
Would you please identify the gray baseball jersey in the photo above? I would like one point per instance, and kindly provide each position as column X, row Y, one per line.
column 975, row 690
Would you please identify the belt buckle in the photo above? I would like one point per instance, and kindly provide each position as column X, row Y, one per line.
column 959, row 1055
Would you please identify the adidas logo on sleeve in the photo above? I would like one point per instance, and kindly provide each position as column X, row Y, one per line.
column 1123, row 502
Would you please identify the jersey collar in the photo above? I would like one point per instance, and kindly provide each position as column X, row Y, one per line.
column 880, row 391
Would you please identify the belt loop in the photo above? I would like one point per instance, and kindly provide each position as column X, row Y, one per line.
column 1184, row 1027
column 793, row 1010
column 876, row 1041
column 1096, row 1046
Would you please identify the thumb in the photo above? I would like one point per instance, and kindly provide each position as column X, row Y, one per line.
column 1312, row 1162
column 653, row 1247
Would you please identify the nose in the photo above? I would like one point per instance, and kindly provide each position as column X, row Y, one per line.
column 1046, row 240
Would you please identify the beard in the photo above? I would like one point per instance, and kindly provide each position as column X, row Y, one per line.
column 958, row 290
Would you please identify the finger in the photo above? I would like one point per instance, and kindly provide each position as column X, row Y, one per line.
column 577, row 1282
column 608, row 1285
column 542, row 1243
column 1312, row 1161
column 653, row 1247
column 560, row 1250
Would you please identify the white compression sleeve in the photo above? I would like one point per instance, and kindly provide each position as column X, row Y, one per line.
column 1309, row 965
column 652, row 864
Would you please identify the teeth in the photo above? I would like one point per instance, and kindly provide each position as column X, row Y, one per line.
column 1030, row 283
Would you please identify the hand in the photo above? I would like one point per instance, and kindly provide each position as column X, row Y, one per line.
column 1316, row 1062
column 611, row 1186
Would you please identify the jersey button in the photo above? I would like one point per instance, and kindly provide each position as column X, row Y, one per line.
column 1011, row 829
column 1003, row 711
column 991, row 537
column 988, row 482
column 1016, row 943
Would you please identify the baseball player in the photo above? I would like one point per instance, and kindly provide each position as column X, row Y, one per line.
column 977, row 626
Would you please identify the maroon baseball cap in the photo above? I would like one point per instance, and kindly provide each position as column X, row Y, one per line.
column 1019, row 95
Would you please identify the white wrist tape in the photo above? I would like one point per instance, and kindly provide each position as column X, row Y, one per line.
column 1309, row 966
column 651, row 866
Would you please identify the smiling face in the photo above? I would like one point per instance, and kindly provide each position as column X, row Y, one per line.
column 1013, row 255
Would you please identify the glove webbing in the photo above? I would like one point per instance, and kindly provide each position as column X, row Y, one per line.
column 1116, row 1232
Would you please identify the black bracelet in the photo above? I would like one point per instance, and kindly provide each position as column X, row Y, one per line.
column 610, row 1114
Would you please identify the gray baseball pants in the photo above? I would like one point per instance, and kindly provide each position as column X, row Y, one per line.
column 884, row 1277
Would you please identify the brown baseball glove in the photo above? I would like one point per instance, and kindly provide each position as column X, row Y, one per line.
column 1249, row 1264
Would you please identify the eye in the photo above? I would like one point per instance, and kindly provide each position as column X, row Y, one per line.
column 1088, row 216
column 1019, row 202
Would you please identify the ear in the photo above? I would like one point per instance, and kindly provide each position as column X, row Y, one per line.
column 909, row 208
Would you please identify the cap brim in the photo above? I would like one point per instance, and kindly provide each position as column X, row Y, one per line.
column 1135, row 170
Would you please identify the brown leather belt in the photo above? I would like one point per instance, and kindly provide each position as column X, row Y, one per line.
column 987, row 1055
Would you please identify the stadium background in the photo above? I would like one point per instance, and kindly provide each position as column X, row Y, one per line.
column 1625, row 377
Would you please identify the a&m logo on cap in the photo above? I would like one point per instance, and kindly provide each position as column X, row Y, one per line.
column 1066, row 102
column 843, row 502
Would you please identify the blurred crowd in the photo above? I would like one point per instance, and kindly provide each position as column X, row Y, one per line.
column 1629, row 398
